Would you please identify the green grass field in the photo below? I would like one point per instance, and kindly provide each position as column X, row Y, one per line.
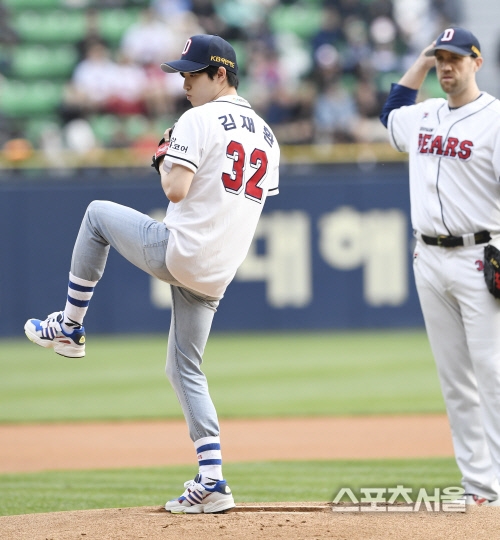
column 251, row 482
column 250, row 375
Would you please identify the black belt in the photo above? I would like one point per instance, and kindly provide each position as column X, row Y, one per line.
column 480, row 237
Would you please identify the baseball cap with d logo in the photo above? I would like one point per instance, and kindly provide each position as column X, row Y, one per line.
column 202, row 51
column 457, row 40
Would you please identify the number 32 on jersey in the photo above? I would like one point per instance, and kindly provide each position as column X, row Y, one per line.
column 234, row 182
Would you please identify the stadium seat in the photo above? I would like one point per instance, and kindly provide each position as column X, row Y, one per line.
column 35, row 127
column 32, row 61
column 383, row 80
column 23, row 99
column 105, row 127
column 44, row 96
column 239, row 12
column 53, row 26
column 303, row 20
column 32, row 4
column 136, row 125
column 430, row 87
column 114, row 22
column 162, row 123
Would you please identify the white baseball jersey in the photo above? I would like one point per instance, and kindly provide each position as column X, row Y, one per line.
column 235, row 158
column 454, row 159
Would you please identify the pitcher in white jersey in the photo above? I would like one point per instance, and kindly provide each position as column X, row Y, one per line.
column 217, row 167
column 454, row 160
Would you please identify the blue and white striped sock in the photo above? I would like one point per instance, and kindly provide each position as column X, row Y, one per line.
column 209, row 459
column 80, row 292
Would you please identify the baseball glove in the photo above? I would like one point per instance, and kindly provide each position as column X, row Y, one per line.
column 162, row 149
column 492, row 269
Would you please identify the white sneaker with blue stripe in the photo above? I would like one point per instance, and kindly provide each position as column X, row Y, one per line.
column 49, row 333
column 201, row 498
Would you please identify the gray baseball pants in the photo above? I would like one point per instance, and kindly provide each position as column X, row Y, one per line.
column 143, row 241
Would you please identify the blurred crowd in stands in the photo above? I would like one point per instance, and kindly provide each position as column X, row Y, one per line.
column 317, row 71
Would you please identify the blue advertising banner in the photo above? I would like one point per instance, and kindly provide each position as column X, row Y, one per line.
column 333, row 250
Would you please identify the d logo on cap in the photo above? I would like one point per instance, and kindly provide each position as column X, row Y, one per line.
column 448, row 34
column 186, row 47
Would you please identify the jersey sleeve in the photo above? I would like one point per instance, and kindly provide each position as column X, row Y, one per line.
column 274, row 184
column 187, row 140
column 275, row 176
column 400, row 126
column 399, row 96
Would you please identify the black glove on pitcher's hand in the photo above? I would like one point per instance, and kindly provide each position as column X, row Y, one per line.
column 162, row 149
column 160, row 154
column 492, row 269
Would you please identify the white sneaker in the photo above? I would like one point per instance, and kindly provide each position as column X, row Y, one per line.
column 470, row 499
column 199, row 498
column 49, row 333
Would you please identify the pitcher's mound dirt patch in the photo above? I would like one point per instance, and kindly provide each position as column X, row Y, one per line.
column 152, row 523
column 136, row 444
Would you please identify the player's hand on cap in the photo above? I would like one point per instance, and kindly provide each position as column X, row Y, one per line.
column 420, row 68
column 427, row 61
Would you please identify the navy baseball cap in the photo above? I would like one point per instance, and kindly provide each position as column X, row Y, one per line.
column 202, row 51
column 457, row 40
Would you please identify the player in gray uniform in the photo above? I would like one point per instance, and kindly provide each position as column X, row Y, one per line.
column 217, row 168
column 454, row 160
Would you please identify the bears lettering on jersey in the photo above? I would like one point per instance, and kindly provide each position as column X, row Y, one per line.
column 451, row 147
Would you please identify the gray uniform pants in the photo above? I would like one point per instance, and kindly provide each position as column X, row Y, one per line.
column 143, row 242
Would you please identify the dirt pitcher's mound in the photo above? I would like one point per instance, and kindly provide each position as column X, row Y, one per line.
column 135, row 444
column 153, row 523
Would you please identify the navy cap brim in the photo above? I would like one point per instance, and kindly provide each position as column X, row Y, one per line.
column 450, row 48
column 182, row 66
